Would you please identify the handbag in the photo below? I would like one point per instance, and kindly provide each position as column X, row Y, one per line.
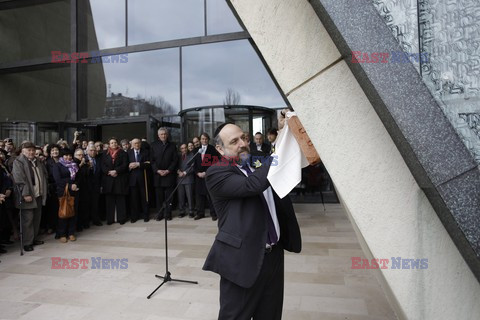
column 66, row 205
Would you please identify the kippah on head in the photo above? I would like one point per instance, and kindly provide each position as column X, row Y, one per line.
column 220, row 127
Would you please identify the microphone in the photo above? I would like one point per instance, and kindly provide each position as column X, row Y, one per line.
column 193, row 158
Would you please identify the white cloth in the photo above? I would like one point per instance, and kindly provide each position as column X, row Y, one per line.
column 286, row 170
column 268, row 195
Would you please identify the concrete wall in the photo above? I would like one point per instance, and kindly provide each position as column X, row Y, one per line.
column 387, row 206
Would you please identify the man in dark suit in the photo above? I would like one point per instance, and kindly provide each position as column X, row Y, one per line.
column 259, row 147
column 208, row 156
column 164, row 160
column 138, row 159
column 255, row 226
column 94, row 181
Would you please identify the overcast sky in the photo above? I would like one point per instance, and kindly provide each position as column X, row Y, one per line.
column 208, row 70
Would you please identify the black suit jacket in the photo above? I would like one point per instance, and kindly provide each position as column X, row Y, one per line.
column 211, row 156
column 164, row 158
column 239, row 248
column 137, row 175
column 119, row 184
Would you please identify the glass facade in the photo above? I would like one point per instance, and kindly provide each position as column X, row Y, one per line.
column 449, row 33
column 128, row 66
column 33, row 31
column 226, row 73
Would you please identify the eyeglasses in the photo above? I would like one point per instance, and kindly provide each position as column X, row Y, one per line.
column 8, row 140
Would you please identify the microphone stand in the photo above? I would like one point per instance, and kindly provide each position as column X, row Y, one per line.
column 167, row 277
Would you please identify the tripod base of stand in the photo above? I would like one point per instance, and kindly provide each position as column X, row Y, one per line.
column 167, row 278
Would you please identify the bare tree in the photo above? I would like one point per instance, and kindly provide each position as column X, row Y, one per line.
column 232, row 97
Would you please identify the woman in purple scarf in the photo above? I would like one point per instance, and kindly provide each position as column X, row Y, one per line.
column 64, row 173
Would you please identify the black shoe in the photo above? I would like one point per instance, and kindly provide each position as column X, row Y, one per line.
column 214, row 218
column 86, row 226
column 3, row 250
column 146, row 219
column 169, row 218
column 79, row 229
column 6, row 242
column 133, row 220
column 159, row 218
column 38, row 242
column 122, row 222
column 181, row 215
column 98, row 224
column 28, row 248
column 199, row 216
column 191, row 215
column 109, row 223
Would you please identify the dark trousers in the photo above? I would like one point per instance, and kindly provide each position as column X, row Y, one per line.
column 31, row 222
column 185, row 193
column 162, row 193
column 116, row 201
column 138, row 203
column 51, row 209
column 66, row 227
column 264, row 300
column 93, row 206
column 201, row 201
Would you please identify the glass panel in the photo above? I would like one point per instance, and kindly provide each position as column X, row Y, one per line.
column 449, row 34
column 40, row 95
column 146, row 83
column 402, row 18
column 101, row 24
column 153, row 20
column 172, row 123
column 226, row 73
column 27, row 32
column 220, row 18
column 124, row 131
column 19, row 132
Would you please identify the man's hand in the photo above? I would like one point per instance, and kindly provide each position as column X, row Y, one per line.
column 2, row 197
column 28, row 198
column 163, row 173
column 112, row 173
column 8, row 193
column 201, row 175
column 134, row 165
column 74, row 187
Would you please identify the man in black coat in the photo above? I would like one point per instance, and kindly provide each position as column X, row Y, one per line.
column 164, row 159
column 208, row 156
column 94, row 182
column 258, row 147
column 255, row 226
column 115, row 182
column 139, row 160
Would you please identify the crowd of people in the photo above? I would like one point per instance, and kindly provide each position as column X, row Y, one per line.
column 114, row 182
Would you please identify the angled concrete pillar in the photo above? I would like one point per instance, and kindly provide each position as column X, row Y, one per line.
column 389, row 209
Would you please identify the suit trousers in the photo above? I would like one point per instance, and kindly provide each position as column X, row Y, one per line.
column 264, row 300
column 31, row 222
column 117, row 201
column 162, row 193
column 138, row 203
column 201, row 201
column 94, row 205
column 185, row 191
